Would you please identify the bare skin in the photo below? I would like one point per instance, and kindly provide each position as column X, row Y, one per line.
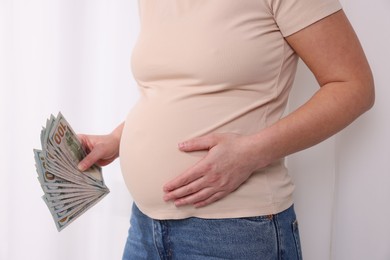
column 333, row 53
column 102, row 149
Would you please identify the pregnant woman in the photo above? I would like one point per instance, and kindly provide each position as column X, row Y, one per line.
column 202, row 150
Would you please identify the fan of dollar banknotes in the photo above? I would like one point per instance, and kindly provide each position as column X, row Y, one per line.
column 68, row 193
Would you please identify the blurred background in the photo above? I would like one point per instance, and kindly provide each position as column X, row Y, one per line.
column 73, row 56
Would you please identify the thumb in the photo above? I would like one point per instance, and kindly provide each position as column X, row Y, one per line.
column 199, row 143
column 90, row 159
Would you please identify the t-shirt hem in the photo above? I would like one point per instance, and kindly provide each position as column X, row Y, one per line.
column 220, row 213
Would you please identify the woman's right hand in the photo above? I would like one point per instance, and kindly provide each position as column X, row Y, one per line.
column 101, row 149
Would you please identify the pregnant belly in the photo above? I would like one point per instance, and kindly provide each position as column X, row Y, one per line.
column 149, row 154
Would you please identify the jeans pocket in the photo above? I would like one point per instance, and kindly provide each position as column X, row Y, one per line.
column 297, row 239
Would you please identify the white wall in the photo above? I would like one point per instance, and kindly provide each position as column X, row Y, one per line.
column 362, row 208
column 74, row 56
column 342, row 196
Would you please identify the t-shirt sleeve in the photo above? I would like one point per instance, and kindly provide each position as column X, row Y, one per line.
column 294, row 15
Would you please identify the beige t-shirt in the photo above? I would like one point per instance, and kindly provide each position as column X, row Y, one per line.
column 207, row 66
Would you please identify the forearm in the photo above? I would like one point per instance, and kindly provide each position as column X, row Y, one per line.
column 331, row 109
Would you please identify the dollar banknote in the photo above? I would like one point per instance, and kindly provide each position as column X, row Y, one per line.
column 68, row 192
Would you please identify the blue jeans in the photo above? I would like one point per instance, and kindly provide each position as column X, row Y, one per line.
column 264, row 237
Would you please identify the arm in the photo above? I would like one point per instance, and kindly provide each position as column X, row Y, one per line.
column 333, row 53
column 102, row 149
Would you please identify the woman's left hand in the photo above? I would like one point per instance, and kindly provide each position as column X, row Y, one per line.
column 229, row 162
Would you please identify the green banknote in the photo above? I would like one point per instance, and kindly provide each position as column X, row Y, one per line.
column 68, row 193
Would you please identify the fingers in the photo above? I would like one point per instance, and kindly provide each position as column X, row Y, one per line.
column 193, row 186
column 94, row 156
column 219, row 173
column 83, row 140
column 199, row 186
column 183, row 191
column 201, row 198
column 197, row 198
column 195, row 144
column 211, row 199
column 199, row 143
column 189, row 176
